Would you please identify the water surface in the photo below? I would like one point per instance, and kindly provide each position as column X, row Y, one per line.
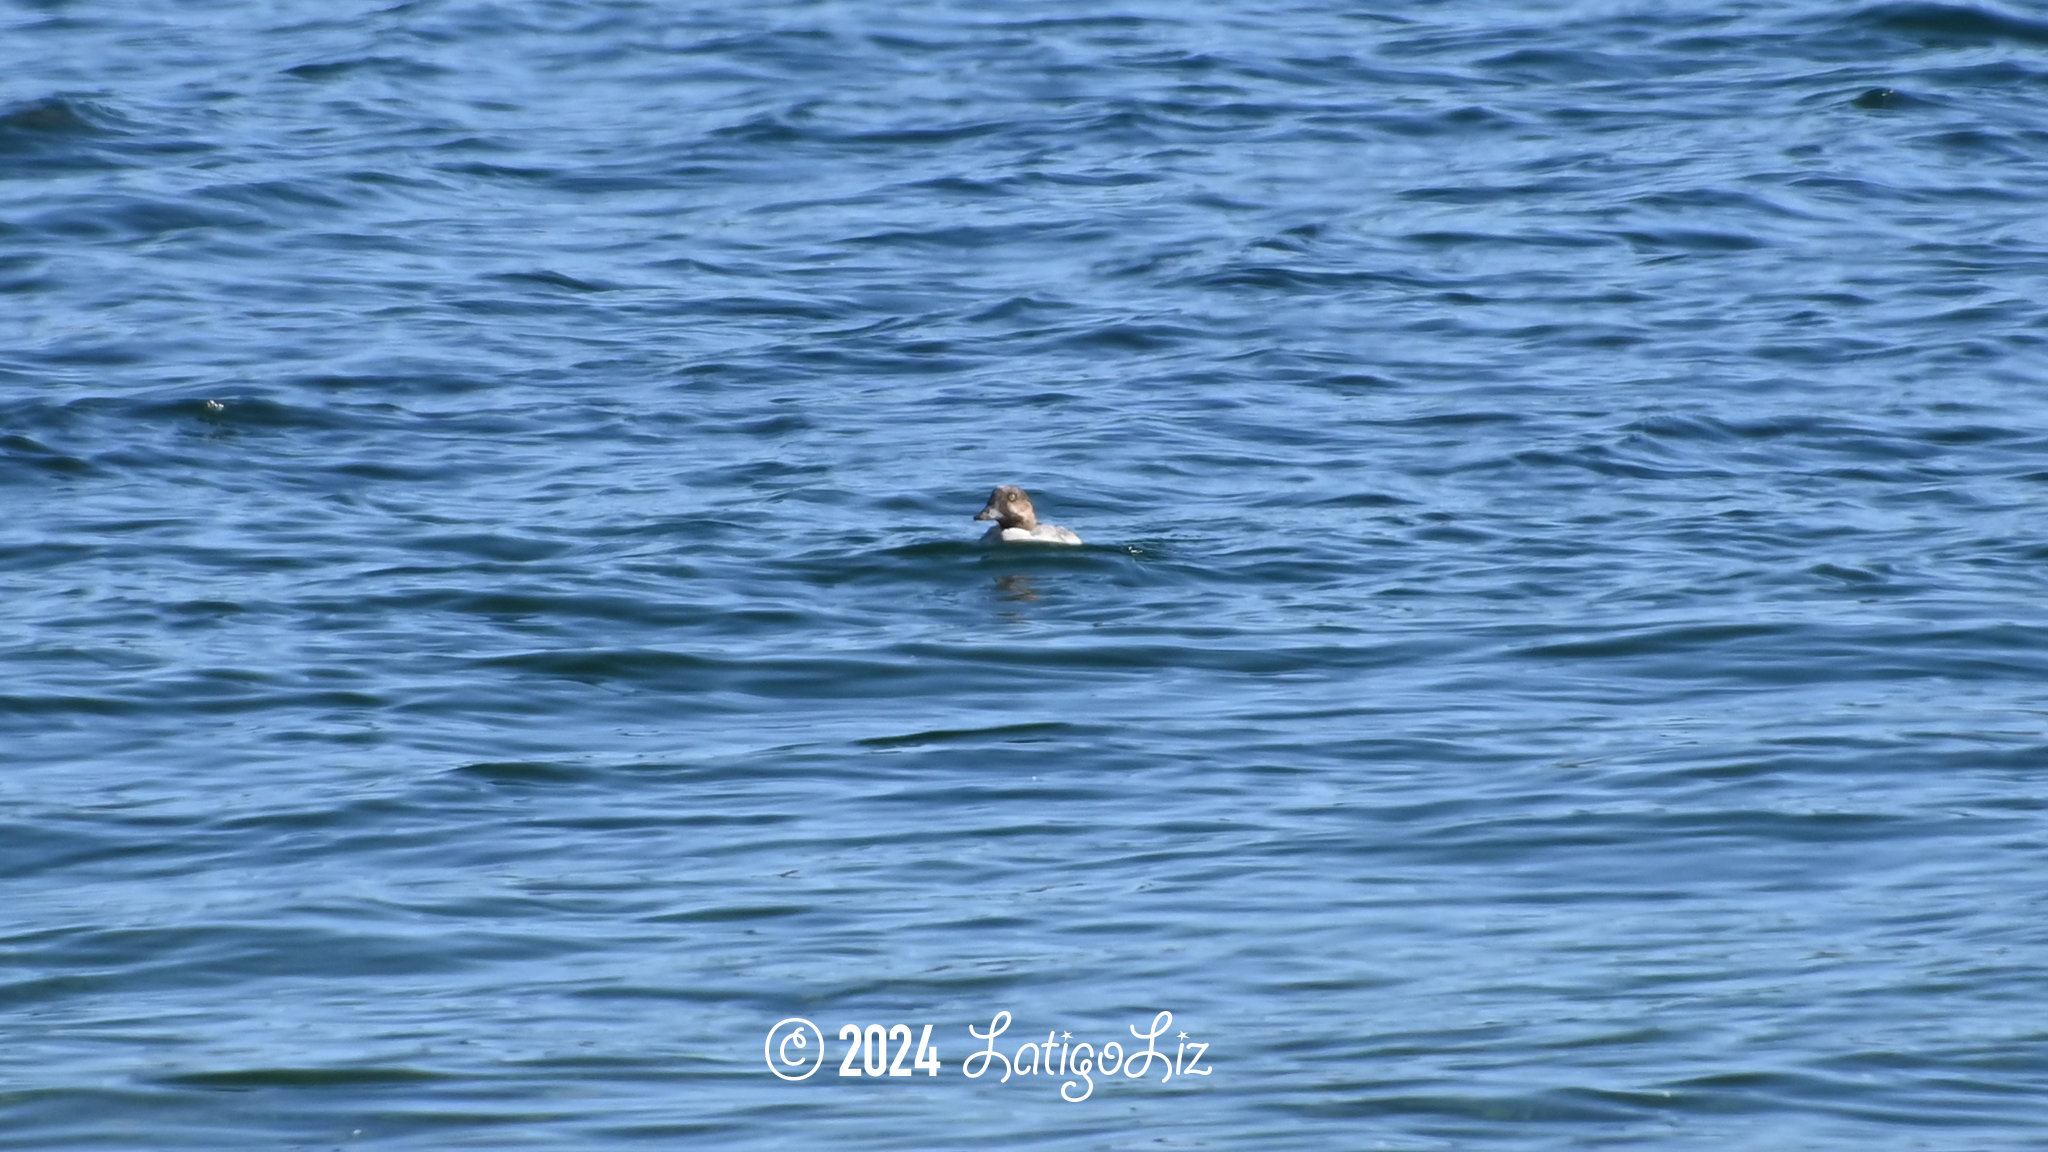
column 490, row 619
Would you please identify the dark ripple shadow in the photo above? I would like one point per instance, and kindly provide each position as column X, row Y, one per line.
column 59, row 135
column 1945, row 25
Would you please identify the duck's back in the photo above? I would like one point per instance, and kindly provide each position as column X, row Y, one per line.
column 1043, row 534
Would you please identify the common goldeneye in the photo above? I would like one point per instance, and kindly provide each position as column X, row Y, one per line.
column 1015, row 520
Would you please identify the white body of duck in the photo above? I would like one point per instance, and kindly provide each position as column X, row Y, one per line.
column 1017, row 522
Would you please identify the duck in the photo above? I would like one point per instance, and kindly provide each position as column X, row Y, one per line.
column 1017, row 522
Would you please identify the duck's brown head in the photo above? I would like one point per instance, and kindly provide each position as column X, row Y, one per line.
column 1009, row 507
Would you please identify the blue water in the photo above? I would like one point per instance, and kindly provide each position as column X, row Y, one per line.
column 490, row 620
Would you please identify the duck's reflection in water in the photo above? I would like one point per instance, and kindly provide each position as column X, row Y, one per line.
column 1016, row 589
